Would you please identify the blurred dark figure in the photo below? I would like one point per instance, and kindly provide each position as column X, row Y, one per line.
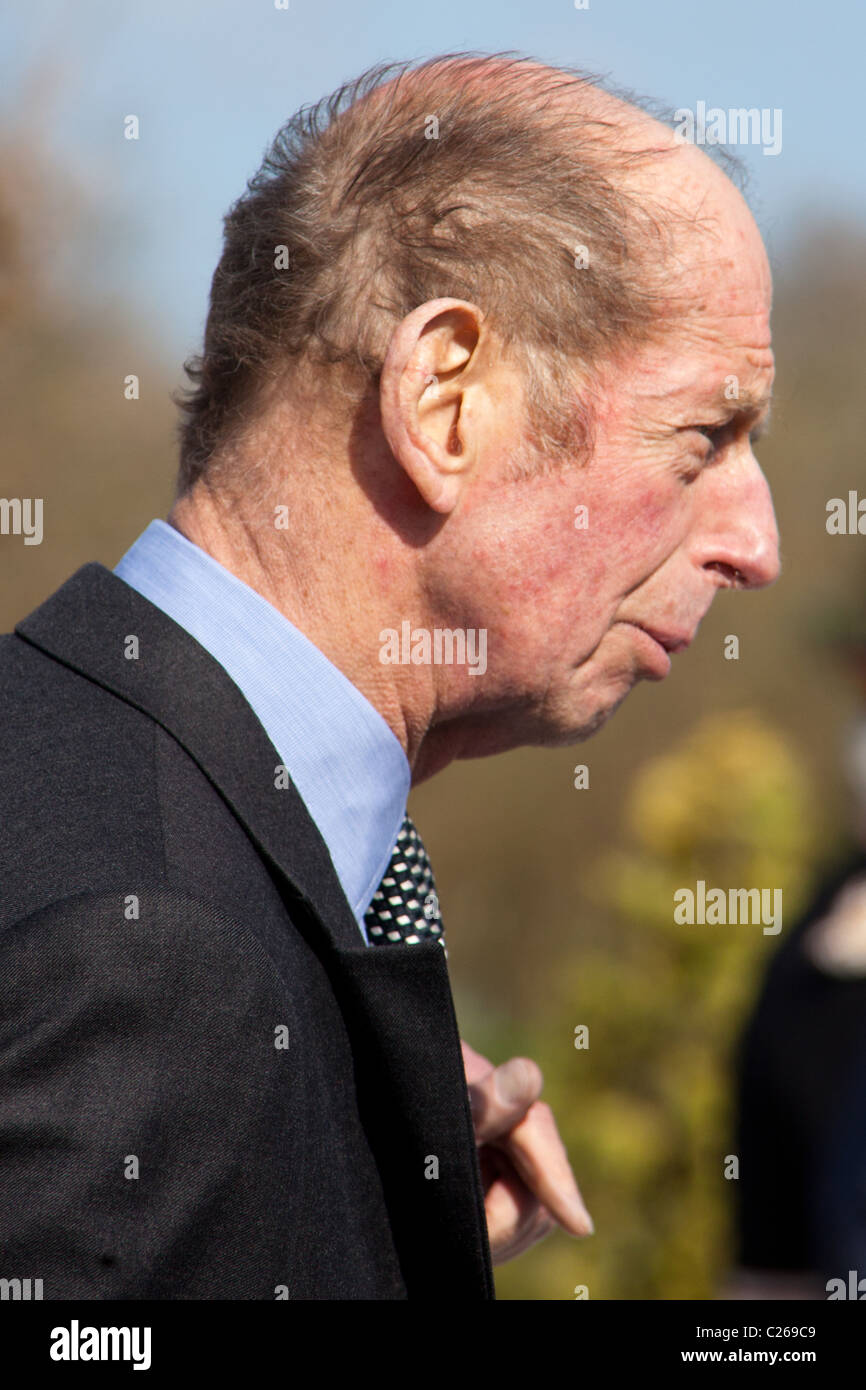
column 801, row 1082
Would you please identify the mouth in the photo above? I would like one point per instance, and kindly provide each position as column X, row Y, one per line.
column 671, row 642
column 657, row 647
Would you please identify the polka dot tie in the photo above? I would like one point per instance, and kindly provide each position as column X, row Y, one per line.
column 405, row 907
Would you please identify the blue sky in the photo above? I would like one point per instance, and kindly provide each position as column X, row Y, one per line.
column 212, row 80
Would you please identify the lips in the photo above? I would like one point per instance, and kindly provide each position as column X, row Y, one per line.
column 671, row 641
column 655, row 645
column 654, row 659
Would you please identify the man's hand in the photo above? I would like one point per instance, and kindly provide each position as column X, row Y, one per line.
column 528, row 1183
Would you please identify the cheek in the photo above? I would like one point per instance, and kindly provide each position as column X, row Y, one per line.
column 582, row 559
column 631, row 532
column 548, row 563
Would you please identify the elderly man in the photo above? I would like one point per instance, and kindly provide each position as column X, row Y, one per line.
column 486, row 351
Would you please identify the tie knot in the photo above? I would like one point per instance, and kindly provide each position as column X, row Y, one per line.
column 405, row 907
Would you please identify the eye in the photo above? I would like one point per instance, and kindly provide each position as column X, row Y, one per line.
column 715, row 435
column 693, row 461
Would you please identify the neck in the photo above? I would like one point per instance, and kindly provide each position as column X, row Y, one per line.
column 341, row 608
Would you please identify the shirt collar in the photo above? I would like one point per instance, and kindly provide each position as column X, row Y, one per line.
column 348, row 766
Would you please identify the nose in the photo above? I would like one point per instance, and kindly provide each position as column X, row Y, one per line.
column 742, row 538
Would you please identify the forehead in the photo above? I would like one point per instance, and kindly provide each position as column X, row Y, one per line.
column 712, row 277
column 716, row 267
column 706, row 364
column 717, row 290
column 714, row 358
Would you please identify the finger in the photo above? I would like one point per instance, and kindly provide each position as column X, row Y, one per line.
column 501, row 1099
column 539, row 1156
column 515, row 1219
column 474, row 1065
column 506, row 1112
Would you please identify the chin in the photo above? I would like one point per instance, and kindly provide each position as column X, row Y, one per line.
column 577, row 731
column 561, row 728
column 565, row 717
column 575, row 721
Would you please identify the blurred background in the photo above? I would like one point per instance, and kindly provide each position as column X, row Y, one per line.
column 557, row 900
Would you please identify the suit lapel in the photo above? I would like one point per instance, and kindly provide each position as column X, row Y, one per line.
column 412, row 1091
column 396, row 999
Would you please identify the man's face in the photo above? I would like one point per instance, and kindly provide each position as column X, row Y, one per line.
column 676, row 508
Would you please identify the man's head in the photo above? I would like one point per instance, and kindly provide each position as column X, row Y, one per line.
column 497, row 341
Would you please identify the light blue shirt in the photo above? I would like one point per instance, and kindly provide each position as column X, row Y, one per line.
column 348, row 766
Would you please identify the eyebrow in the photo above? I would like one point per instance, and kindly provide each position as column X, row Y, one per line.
column 745, row 406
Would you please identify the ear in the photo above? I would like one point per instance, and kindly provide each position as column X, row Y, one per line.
column 430, row 359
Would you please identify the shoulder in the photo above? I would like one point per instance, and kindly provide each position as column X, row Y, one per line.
column 152, row 1104
column 77, row 783
column 137, row 978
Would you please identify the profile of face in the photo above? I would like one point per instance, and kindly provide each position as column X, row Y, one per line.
column 589, row 578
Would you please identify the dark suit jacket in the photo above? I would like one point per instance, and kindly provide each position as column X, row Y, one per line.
column 797, row 1061
column 167, row 917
